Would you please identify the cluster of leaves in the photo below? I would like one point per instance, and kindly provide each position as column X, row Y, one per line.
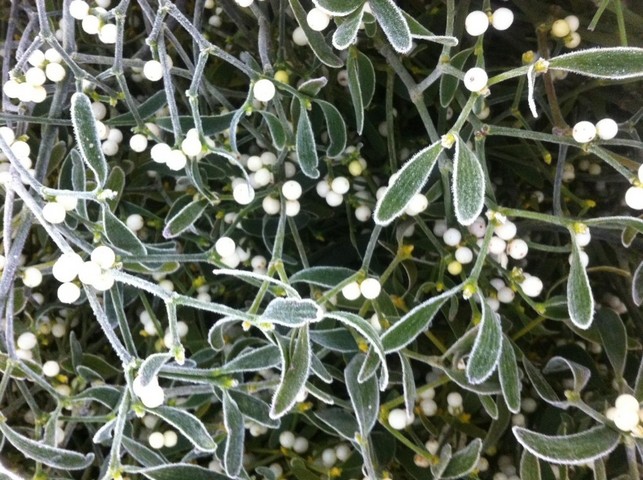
column 265, row 340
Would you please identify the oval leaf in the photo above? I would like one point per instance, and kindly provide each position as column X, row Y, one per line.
column 580, row 301
column 327, row 277
column 617, row 63
column 637, row 285
column 189, row 425
column 463, row 461
column 509, row 376
column 415, row 322
column 486, row 348
column 277, row 131
column 184, row 219
column 614, row 338
column 468, row 184
column 253, row 360
column 393, row 23
column 89, row 143
column 291, row 312
column 408, row 181
column 151, row 367
column 294, row 373
column 364, row 396
column 180, row 470
column 305, row 144
column 347, row 30
column 575, row 449
column 448, row 83
column 336, row 128
column 339, row 8
column 233, row 421
column 121, row 236
column 51, row 456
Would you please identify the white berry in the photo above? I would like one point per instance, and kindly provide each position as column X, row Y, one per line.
column 287, row 439
column 160, row 152
column 243, row 193
column 464, row 255
column 153, row 70
column 299, row 37
column 138, row 142
column 156, row 440
column 264, row 90
column 502, row 19
column 584, row 132
column 452, row 237
column 291, row 190
column 66, row 268
column 104, row 256
column 606, row 129
column 475, row 79
column 176, row 160
column 351, row 291
column 517, row 249
column 340, row 185
column 68, row 292
column 50, row 368
column 397, row 419
column 476, row 23
column 560, row 29
column 634, row 198
column 300, row 445
column 55, row 72
column 271, row 205
column 91, row 24
column 108, row 34
column 225, row 246
column 244, row 3
column 370, row 288
column 293, row 207
column 191, row 146
column 532, row 286
column 78, row 9
column 54, row 212
column 572, row 22
column 454, row 399
column 317, row 19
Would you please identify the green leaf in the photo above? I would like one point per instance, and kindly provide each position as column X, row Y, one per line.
column 116, row 183
column 312, row 86
column 254, row 408
column 486, row 348
column 347, row 30
column 614, row 338
column 89, row 143
column 463, row 461
column 327, row 277
column 364, row 396
column 339, row 420
column 509, row 376
column 233, row 421
column 445, row 456
column 415, row 322
column 361, row 84
column 448, row 83
column 106, row 395
column 142, row 454
column 316, row 40
column 294, row 373
column 393, row 23
column 580, row 373
column 277, row 131
column 542, row 387
column 420, row 31
column 300, row 471
column 184, row 219
column 151, row 366
column 292, row 312
column 253, row 360
column 305, row 144
column 189, row 425
column 575, row 449
column 336, row 128
column 51, row 456
column 405, row 183
column 211, row 124
column 179, row 470
column 489, row 405
column 630, row 225
column 339, row 8
column 468, row 184
column 580, row 300
column 529, row 466
column 408, row 384
column 146, row 109
column 119, row 235
column 616, row 63
column 637, row 285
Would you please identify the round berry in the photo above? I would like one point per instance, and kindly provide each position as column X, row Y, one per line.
column 243, row 193
column 287, row 439
column 517, row 249
column 109, row 148
column 342, row 451
column 91, row 24
column 572, row 40
column 108, row 34
column 191, row 146
column 532, row 286
column 351, row 291
column 291, row 190
column 334, row 199
column 36, row 58
column 475, row 79
column 271, row 205
column 35, row 76
column 170, row 439
column 464, row 255
column 560, row 29
column 340, row 185
column 417, row 204
column 317, row 19
column 370, row 288
column 54, row 212
column 476, row 23
column 634, row 198
column 27, row 341
column 264, row 90
column 153, row 70
column 160, row 152
column 138, row 143
column 78, row 9
column 397, row 419
column 55, row 72
column 176, row 160
column 89, row 272
column 156, row 440
column 51, row 368
column 506, row 295
column 454, row 399
column 300, row 445
column 506, row 230
column 225, row 246
column 626, row 401
column 584, row 132
column 299, row 37
column 66, row 268
column 454, row 268
column 68, row 292
column 363, row 213
column 502, row 19
column 103, row 256
column 572, row 22
column 293, row 207
column 626, row 420
column 244, row 3
column 606, row 129
column 452, row 237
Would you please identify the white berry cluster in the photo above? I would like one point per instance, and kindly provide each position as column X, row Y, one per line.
column 585, row 132
column 289, row 441
column 627, row 414
column 26, row 343
column 368, row 288
column 566, row 30
column 181, row 330
column 94, row 20
column 167, row 439
column 151, row 395
column 333, row 191
column 19, row 147
column 30, row 87
column 463, row 255
column 173, row 158
column 634, row 194
column 94, row 272
column 477, row 22
column 231, row 254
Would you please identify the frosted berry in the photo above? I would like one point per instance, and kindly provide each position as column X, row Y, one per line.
column 138, row 143
column 452, row 237
column 68, row 292
column 517, row 249
column 397, row 419
column 464, row 255
column 291, row 190
column 532, row 286
column 573, row 22
column 176, row 160
column 156, row 440
column 572, row 40
column 634, row 198
column 340, row 185
column 78, row 9
column 476, row 23
column 66, row 268
column 606, row 129
column 299, row 37
column 351, row 291
column 243, row 193
column 153, row 70
column 55, row 72
column 104, row 256
column 160, row 152
column 54, row 212
column 225, row 246
column 475, row 79
column 502, row 19
column 108, row 33
column 370, row 288
column 264, row 90
column 51, row 368
column 317, row 19
column 584, row 132
column 27, row 341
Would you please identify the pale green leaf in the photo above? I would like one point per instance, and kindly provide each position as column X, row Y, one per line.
column 189, row 425
column 305, row 144
column 233, row 421
column 637, row 285
column 364, row 396
column 393, row 23
column 336, row 128
column 415, row 322
column 151, row 366
column 580, row 300
column 292, row 312
column 580, row 373
column 142, row 454
column 449, row 84
column 51, row 456
column 575, row 449
column 486, row 348
column 253, row 407
column 347, row 30
column 420, row 31
column 463, row 461
column 509, row 376
column 253, row 360
column 468, row 184
column 614, row 338
column 179, row 470
column 277, row 131
column 327, row 277
column 184, row 219
column 294, row 373
column 529, row 466
column 339, row 420
column 405, row 183
column 89, row 143
column 339, row 8
column 119, row 235
column 316, row 40
column 146, row 109
column 616, row 63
